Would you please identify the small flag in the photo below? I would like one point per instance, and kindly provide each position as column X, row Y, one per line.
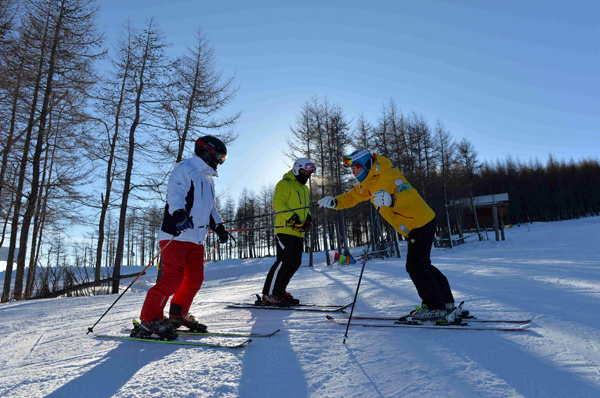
column 335, row 257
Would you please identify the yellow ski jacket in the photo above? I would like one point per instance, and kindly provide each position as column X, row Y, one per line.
column 290, row 194
column 409, row 211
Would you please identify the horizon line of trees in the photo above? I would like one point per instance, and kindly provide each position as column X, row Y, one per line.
column 89, row 129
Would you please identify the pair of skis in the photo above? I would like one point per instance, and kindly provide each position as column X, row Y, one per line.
column 523, row 324
column 293, row 307
column 248, row 336
column 469, row 318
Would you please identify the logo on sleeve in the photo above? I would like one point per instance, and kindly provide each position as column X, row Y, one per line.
column 399, row 182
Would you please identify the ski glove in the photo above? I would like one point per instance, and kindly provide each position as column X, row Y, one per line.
column 307, row 224
column 295, row 222
column 328, row 202
column 222, row 234
column 182, row 221
column 382, row 198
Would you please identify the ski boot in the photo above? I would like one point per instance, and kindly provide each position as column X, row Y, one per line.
column 272, row 300
column 189, row 321
column 288, row 298
column 157, row 329
column 459, row 310
column 423, row 315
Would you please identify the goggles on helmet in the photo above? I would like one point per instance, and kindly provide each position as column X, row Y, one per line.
column 347, row 161
column 220, row 156
column 310, row 167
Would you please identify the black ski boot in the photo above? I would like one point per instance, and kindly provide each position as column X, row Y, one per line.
column 189, row 321
column 288, row 298
column 271, row 301
column 177, row 319
column 157, row 329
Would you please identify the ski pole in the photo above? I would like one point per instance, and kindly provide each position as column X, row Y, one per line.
column 261, row 215
column 91, row 330
column 213, row 250
column 356, row 294
column 358, row 286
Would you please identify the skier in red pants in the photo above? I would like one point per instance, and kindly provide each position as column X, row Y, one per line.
column 190, row 198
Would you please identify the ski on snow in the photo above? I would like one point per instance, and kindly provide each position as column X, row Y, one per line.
column 189, row 343
column 293, row 307
column 462, row 326
column 225, row 334
column 468, row 318
column 220, row 334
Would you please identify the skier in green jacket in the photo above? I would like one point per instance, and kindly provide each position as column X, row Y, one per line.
column 290, row 227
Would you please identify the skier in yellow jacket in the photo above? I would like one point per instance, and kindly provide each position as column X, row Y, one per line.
column 290, row 227
column 402, row 206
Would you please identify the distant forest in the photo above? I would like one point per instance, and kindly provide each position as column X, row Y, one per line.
column 442, row 169
column 89, row 134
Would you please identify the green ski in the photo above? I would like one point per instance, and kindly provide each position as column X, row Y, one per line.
column 240, row 345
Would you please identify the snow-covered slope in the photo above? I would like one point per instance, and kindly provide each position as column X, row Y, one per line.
column 550, row 272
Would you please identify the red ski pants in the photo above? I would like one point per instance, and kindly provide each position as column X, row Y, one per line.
column 182, row 277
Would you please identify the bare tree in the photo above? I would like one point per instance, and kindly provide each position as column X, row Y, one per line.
column 117, row 88
column 148, row 67
column 196, row 96
column 70, row 56
column 41, row 34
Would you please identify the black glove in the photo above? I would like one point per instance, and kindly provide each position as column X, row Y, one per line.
column 222, row 233
column 295, row 222
column 182, row 221
column 307, row 224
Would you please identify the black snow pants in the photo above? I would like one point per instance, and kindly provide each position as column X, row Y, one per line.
column 289, row 258
column 431, row 284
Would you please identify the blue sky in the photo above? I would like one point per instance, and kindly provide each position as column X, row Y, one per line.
column 513, row 77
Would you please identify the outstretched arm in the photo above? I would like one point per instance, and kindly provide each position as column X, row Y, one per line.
column 351, row 198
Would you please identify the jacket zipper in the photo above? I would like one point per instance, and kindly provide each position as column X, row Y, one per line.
column 401, row 215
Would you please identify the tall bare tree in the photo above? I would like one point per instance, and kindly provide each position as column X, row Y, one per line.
column 197, row 94
column 148, row 72
column 40, row 33
column 71, row 56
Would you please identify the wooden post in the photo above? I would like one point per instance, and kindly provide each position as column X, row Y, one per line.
column 448, row 221
column 502, row 222
column 495, row 219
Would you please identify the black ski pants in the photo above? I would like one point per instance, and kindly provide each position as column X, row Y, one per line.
column 431, row 284
column 289, row 258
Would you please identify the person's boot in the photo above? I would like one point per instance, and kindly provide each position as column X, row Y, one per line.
column 157, row 329
column 189, row 321
column 288, row 298
column 274, row 300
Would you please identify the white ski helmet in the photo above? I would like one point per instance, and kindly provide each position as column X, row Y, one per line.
column 303, row 163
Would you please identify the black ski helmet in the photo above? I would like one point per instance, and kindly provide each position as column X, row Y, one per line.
column 212, row 150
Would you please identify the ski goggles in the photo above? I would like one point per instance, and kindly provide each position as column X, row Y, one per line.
column 310, row 167
column 220, row 156
column 358, row 157
column 347, row 161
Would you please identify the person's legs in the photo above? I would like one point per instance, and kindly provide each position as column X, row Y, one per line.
column 296, row 262
column 192, row 281
column 173, row 261
column 285, row 246
column 431, row 284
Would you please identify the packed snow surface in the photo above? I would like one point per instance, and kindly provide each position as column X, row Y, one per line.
column 547, row 271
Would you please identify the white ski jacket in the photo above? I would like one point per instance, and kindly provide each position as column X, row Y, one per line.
column 191, row 187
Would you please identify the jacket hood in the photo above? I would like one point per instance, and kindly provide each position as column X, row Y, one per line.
column 202, row 166
column 380, row 166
